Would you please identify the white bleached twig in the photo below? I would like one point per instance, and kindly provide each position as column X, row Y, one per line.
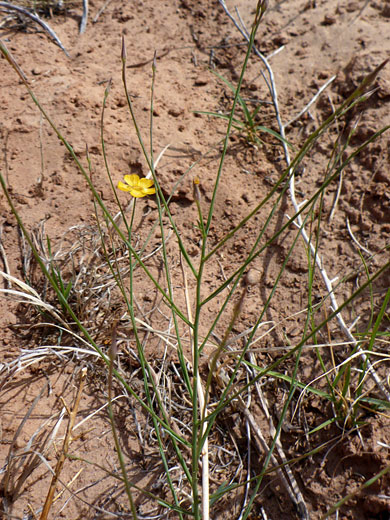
column 10, row 7
column 313, row 100
column 299, row 221
column 84, row 18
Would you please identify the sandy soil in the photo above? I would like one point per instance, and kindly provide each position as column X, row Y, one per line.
column 316, row 40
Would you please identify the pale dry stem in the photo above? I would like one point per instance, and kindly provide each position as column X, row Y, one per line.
column 202, row 411
column 65, row 448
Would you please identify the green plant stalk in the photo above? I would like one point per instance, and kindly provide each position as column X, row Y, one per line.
column 196, row 448
column 147, row 378
column 180, row 351
column 113, row 188
column 272, row 366
column 196, row 432
column 115, row 476
column 373, row 337
column 151, row 120
column 113, row 427
column 170, row 292
column 103, row 145
column 356, row 97
column 345, row 499
column 7, row 55
column 117, row 276
column 255, row 26
column 150, row 164
column 169, row 285
column 144, row 364
column 290, row 220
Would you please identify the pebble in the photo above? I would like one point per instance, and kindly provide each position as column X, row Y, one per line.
column 201, row 80
column 252, row 277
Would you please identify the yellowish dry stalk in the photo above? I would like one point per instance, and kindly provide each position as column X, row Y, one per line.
column 65, row 447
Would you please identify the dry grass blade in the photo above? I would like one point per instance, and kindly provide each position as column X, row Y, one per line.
column 261, row 445
column 311, row 102
column 368, row 80
column 8, row 493
column 11, row 7
column 30, row 296
column 4, row 257
column 101, row 10
column 31, row 458
column 65, row 448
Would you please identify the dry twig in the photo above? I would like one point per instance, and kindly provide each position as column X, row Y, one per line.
column 84, row 18
column 11, row 7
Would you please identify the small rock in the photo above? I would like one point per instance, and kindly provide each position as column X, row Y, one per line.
column 201, row 80
column 328, row 20
column 252, row 277
column 175, row 112
column 280, row 39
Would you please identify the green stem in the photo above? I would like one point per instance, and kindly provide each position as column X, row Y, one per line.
column 113, row 427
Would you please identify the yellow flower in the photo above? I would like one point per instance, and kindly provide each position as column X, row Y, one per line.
column 136, row 186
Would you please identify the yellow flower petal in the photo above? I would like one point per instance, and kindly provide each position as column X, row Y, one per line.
column 136, row 186
column 137, row 192
column 146, row 183
column 132, row 180
column 123, row 187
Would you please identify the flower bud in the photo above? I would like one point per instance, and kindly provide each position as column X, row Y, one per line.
column 196, row 190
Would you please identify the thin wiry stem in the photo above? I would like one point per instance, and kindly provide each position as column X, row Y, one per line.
column 299, row 222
